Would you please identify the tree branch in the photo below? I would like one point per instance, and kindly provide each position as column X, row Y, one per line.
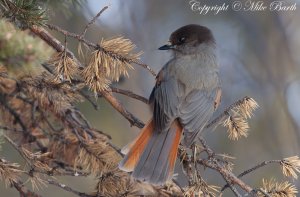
column 118, row 106
column 264, row 163
column 129, row 94
column 23, row 191
column 225, row 112
column 48, row 38
column 227, row 175
column 96, row 46
column 67, row 188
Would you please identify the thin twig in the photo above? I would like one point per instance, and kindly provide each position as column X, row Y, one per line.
column 67, row 188
column 47, row 37
column 18, row 119
column 227, row 175
column 209, row 151
column 264, row 163
column 258, row 166
column 17, row 148
column 119, row 107
column 129, row 94
column 262, row 191
column 147, row 67
column 178, row 185
column 96, row 46
column 51, row 40
column 23, row 191
column 16, row 116
column 93, row 21
column 233, row 189
column 50, row 173
column 72, row 35
column 90, row 99
column 84, row 94
column 225, row 112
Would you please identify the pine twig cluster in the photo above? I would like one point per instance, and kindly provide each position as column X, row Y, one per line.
column 110, row 61
column 24, row 13
column 236, row 117
column 275, row 189
column 9, row 172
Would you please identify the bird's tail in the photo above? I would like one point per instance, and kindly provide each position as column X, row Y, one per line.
column 151, row 157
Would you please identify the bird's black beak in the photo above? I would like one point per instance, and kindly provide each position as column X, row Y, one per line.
column 167, row 46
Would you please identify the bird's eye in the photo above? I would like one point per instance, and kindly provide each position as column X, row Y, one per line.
column 181, row 39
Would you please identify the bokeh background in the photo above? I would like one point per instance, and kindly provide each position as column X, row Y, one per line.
column 259, row 56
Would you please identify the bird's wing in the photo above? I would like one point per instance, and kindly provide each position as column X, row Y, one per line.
column 165, row 99
column 196, row 110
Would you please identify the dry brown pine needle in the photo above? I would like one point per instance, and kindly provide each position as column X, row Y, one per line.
column 109, row 62
column 113, row 183
column 237, row 126
column 50, row 94
column 36, row 159
column 201, row 188
column 275, row 189
column 9, row 172
column 64, row 67
column 291, row 166
column 247, row 107
column 97, row 157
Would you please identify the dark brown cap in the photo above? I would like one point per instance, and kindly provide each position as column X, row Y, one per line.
column 189, row 34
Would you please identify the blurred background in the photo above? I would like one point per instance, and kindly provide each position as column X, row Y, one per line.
column 258, row 55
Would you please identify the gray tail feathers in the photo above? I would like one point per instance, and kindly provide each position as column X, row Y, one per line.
column 156, row 161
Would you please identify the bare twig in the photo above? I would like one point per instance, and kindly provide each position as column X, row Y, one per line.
column 67, row 188
column 51, row 40
column 118, row 106
column 17, row 148
column 178, row 185
column 93, row 21
column 90, row 99
column 233, row 189
column 209, row 151
column 264, row 163
column 258, row 166
column 226, row 112
column 18, row 119
column 108, row 96
column 16, row 116
column 84, row 94
column 72, row 35
column 95, row 46
column 129, row 94
column 227, row 175
column 145, row 66
column 23, row 191
column 263, row 192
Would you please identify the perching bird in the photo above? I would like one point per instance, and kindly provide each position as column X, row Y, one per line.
column 186, row 93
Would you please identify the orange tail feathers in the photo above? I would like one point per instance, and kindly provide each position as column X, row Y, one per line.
column 134, row 150
column 174, row 148
column 152, row 155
